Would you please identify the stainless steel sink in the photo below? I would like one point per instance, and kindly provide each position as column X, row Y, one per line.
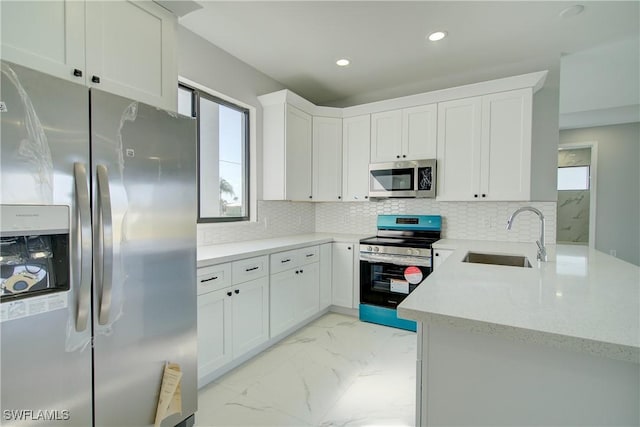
column 497, row 259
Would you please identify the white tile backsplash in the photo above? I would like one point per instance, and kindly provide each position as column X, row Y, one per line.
column 461, row 220
column 274, row 219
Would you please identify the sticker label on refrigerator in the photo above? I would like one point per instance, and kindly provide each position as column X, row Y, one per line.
column 13, row 310
column 3, row 107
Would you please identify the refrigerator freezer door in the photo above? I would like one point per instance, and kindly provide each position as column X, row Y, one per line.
column 45, row 356
column 144, row 220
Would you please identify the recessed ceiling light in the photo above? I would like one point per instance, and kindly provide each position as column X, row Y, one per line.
column 343, row 62
column 438, row 35
column 571, row 11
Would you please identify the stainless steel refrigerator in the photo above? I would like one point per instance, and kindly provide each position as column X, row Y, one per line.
column 98, row 255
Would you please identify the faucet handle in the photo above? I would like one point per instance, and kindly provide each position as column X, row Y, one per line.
column 542, row 251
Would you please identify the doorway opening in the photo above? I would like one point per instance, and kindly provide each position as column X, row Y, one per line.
column 576, row 194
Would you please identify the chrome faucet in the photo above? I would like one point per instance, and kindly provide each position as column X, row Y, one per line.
column 542, row 251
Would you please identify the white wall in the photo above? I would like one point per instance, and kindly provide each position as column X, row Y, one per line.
column 618, row 186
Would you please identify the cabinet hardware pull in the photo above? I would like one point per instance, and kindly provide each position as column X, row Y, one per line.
column 301, row 271
column 311, row 197
column 437, row 254
column 475, row 195
column 484, row 195
column 366, row 197
column 310, row 255
column 285, row 260
column 339, row 197
column 404, row 156
column 237, row 291
column 208, row 280
column 251, row 269
column 95, row 79
column 397, row 157
column 349, row 247
column 229, row 293
column 77, row 72
column 297, row 272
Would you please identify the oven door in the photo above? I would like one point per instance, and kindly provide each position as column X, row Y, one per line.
column 386, row 280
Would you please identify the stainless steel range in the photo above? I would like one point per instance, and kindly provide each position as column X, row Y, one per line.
column 393, row 264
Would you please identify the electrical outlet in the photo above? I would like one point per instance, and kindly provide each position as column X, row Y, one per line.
column 613, row 252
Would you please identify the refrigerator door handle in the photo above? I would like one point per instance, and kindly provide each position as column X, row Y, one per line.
column 83, row 258
column 104, row 245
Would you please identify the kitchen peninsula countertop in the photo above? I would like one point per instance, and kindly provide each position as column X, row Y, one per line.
column 581, row 298
column 228, row 252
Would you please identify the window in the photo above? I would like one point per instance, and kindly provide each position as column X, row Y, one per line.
column 573, row 178
column 223, row 155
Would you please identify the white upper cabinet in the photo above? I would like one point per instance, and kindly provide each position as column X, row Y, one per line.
column 122, row 47
column 287, row 153
column 327, row 159
column 46, row 35
column 298, row 154
column 386, row 136
column 484, row 147
column 131, row 51
column 356, row 136
column 458, row 161
column 407, row 134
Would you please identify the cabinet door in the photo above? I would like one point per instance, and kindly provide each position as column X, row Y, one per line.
column 506, row 145
column 282, row 290
column 250, row 314
column 459, row 134
column 439, row 256
column 342, row 274
column 325, row 275
column 356, row 133
column 131, row 49
column 327, row 159
column 214, row 334
column 386, row 136
column 298, row 153
column 47, row 36
column 308, row 291
column 419, row 132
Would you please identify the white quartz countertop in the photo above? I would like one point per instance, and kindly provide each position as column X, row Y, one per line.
column 581, row 298
column 227, row 252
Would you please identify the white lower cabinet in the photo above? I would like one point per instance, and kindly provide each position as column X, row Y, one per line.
column 439, row 256
column 232, row 318
column 343, row 275
column 214, row 335
column 295, row 292
column 325, row 275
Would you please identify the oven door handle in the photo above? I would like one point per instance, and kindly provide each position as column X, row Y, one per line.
column 396, row 259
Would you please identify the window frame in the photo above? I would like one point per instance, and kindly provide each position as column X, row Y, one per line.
column 196, row 95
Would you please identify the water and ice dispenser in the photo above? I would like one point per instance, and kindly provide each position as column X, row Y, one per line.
column 34, row 250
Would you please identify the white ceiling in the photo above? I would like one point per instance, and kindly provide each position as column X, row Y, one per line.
column 298, row 42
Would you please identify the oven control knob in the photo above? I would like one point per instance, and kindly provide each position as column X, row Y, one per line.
column 369, row 248
column 409, row 251
column 376, row 249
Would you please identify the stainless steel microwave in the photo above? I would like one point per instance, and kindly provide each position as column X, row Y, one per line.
column 410, row 178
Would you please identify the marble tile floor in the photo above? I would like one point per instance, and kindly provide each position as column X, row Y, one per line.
column 336, row 371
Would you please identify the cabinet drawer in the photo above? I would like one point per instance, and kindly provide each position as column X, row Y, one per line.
column 284, row 261
column 250, row 268
column 214, row 278
column 308, row 255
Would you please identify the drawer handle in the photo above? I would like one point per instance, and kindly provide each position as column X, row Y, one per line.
column 310, row 255
column 208, row 280
column 251, row 269
column 285, row 260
